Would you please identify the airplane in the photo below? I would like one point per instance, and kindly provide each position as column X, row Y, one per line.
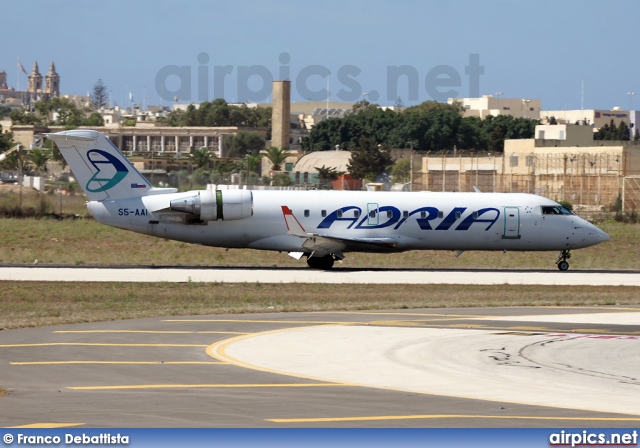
column 319, row 225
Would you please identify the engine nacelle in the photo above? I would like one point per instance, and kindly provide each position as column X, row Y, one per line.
column 211, row 205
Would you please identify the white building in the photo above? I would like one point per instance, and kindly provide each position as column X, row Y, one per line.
column 490, row 105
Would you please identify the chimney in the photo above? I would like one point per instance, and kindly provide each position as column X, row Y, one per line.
column 281, row 114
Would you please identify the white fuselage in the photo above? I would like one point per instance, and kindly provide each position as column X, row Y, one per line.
column 424, row 220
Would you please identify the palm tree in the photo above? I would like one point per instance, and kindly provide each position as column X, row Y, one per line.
column 200, row 157
column 39, row 158
column 276, row 156
column 250, row 165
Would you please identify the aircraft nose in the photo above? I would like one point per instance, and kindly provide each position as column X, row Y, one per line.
column 596, row 235
column 603, row 236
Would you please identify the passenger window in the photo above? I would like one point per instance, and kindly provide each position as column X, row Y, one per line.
column 405, row 214
column 356, row 213
column 323, row 213
column 306, row 213
column 440, row 215
column 372, row 214
column 458, row 214
column 389, row 214
column 339, row 213
column 475, row 215
column 423, row 215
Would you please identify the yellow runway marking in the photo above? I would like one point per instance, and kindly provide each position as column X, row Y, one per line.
column 91, row 344
column 151, row 331
column 206, row 386
column 371, row 313
column 444, row 416
column 39, row 363
column 47, row 425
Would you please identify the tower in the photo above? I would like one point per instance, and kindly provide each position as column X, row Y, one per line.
column 3, row 80
column 52, row 81
column 35, row 79
column 281, row 114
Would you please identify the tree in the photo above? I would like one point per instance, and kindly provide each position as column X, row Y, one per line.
column 56, row 155
column 276, row 156
column 39, row 158
column 219, row 113
column 368, row 159
column 281, row 180
column 17, row 160
column 612, row 132
column 623, row 131
column 328, row 174
column 401, row 171
column 24, row 117
column 250, row 165
column 99, row 95
column 6, row 140
column 243, row 143
column 94, row 120
column 430, row 126
column 201, row 157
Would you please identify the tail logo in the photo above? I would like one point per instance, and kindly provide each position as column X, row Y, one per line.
column 109, row 171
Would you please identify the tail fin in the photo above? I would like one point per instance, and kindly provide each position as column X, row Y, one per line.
column 102, row 171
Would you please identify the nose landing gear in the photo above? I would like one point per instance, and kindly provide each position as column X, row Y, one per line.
column 562, row 262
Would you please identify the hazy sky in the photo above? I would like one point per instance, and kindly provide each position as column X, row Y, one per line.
column 418, row 50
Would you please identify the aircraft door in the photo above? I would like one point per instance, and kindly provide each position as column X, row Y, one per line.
column 511, row 223
column 373, row 214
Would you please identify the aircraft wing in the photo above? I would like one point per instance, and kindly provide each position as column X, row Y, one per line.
column 323, row 244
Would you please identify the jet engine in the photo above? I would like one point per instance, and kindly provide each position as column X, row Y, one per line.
column 211, row 205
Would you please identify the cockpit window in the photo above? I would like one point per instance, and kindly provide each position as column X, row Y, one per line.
column 555, row 210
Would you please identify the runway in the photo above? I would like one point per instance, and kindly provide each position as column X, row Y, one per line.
column 306, row 275
column 490, row 367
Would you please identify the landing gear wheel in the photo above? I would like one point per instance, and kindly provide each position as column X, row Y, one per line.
column 563, row 265
column 324, row 263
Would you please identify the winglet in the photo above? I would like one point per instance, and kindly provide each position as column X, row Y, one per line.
column 293, row 225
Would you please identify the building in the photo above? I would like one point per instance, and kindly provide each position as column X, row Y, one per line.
column 144, row 139
column 35, row 89
column 562, row 162
column 596, row 118
column 304, row 172
column 490, row 105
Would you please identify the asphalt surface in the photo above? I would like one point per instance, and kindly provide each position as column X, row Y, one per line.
column 335, row 276
column 396, row 368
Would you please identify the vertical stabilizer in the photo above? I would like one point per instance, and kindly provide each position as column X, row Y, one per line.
column 102, row 171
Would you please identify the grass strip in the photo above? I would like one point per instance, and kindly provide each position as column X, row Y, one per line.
column 35, row 304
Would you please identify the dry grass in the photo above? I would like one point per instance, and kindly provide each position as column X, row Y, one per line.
column 17, row 201
column 29, row 304
column 86, row 242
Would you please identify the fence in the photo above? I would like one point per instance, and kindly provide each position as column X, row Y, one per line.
column 595, row 181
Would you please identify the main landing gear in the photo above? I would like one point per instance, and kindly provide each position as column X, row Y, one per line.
column 324, row 263
column 562, row 262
